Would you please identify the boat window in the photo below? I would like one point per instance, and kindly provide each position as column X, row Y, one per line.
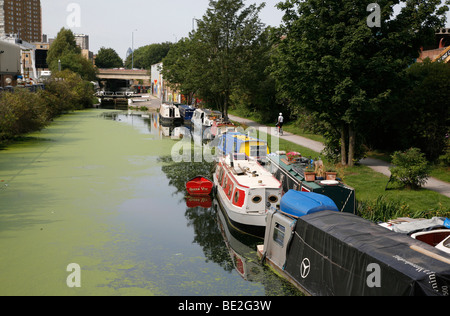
column 220, row 177
column 256, row 199
column 273, row 199
column 239, row 197
column 447, row 243
column 229, row 188
column 278, row 234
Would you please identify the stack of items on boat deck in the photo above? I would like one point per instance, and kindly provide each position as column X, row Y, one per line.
column 326, row 252
column 293, row 171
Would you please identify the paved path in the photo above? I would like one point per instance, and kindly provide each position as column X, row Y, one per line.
column 381, row 166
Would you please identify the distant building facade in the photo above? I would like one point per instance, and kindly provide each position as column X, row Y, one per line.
column 23, row 18
column 82, row 41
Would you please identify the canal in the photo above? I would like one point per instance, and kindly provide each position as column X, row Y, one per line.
column 98, row 189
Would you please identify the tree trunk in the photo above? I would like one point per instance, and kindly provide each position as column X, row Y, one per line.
column 225, row 106
column 351, row 146
column 343, row 146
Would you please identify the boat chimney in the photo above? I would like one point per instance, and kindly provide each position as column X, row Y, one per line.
column 231, row 160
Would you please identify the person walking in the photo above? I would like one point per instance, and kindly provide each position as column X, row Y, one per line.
column 280, row 124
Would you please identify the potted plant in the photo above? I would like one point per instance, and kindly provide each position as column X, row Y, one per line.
column 310, row 174
column 330, row 174
column 293, row 156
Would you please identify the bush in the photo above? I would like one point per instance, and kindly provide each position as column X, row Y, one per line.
column 21, row 112
column 410, row 168
column 382, row 209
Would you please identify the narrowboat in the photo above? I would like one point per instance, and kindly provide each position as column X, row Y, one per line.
column 245, row 190
column 324, row 252
column 292, row 173
column 236, row 142
column 169, row 114
column 186, row 112
column 202, row 121
column 221, row 127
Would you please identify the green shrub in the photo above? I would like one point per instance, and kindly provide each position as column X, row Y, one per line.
column 382, row 209
column 410, row 168
column 21, row 112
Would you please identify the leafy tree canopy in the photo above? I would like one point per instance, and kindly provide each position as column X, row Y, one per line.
column 333, row 64
column 219, row 52
column 65, row 51
column 108, row 58
column 146, row 56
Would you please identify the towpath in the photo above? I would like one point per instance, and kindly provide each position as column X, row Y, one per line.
column 377, row 165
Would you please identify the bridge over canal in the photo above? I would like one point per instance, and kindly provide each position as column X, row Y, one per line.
column 124, row 74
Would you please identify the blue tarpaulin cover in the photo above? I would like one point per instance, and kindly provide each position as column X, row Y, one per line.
column 297, row 204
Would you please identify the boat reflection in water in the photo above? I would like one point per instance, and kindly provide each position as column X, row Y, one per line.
column 241, row 248
column 239, row 245
column 230, row 249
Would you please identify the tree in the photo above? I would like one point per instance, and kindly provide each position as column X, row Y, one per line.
column 424, row 119
column 108, row 58
column 178, row 68
column 333, row 64
column 65, row 53
column 218, row 53
column 146, row 56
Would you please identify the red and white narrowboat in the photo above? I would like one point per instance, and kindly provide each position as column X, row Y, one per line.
column 246, row 190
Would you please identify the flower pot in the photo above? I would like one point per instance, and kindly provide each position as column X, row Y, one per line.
column 310, row 176
column 330, row 175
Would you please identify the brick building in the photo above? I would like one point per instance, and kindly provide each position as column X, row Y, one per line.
column 23, row 18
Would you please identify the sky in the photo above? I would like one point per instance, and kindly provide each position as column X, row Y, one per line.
column 121, row 24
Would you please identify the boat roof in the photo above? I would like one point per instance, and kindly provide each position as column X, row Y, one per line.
column 239, row 138
column 230, row 141
column 187, row 107
column 167, row 105
column 249, row 173
column 414, row 268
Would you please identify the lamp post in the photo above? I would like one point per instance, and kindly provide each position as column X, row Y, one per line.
column 132, row 49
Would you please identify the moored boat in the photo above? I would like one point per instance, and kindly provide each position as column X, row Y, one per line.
column 434, row 232
column 293, row 175
column 169, row 114
column 220, row 127
column 186, row 112
column 245, row 191
column 325, row 252
column 199, row 186
column 202, row 121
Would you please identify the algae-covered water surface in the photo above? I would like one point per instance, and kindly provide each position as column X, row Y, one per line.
column 93, row 205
